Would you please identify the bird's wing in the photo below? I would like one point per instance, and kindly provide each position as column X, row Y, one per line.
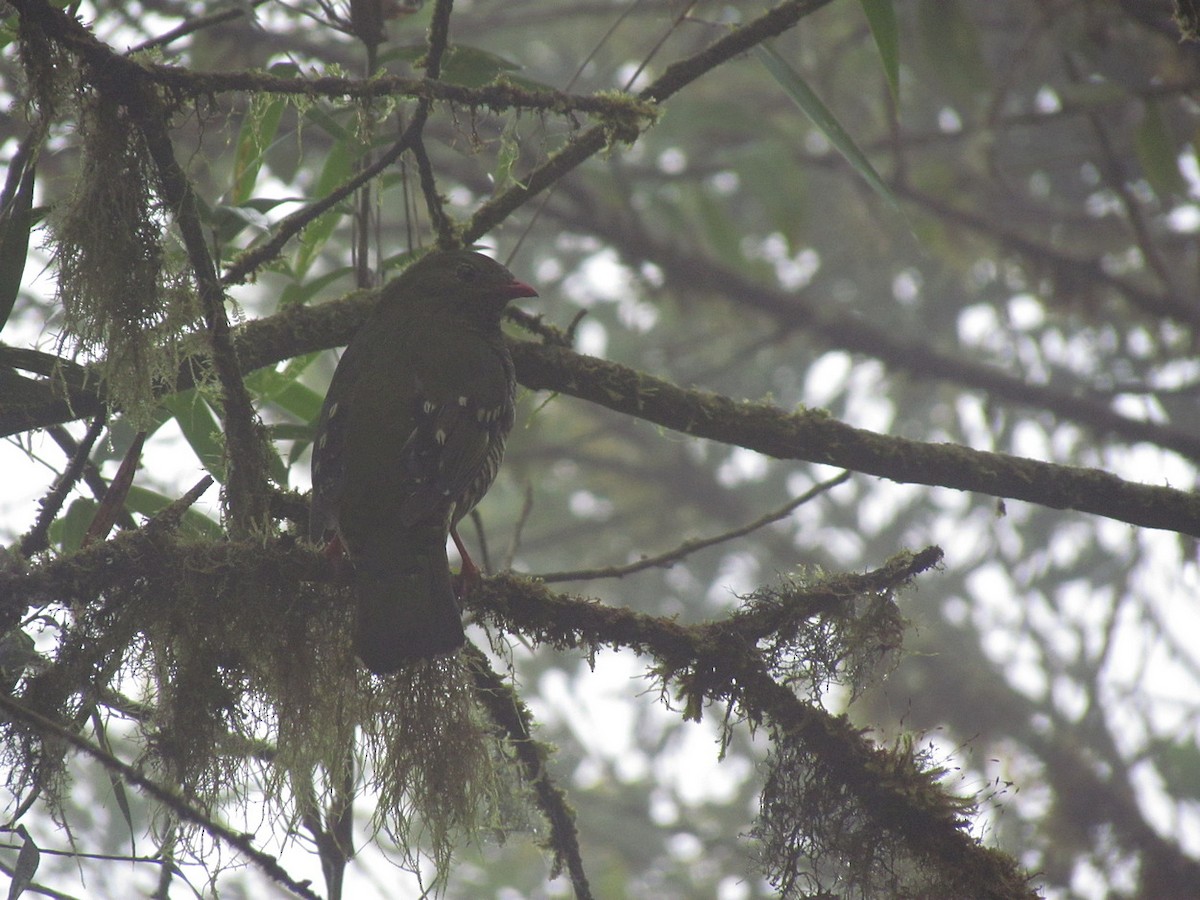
column 444, row 454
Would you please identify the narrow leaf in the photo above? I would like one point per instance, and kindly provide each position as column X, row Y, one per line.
column 952, row 49
column 68, row 530
column 257, row 133
column 298, row 293
column 15, row 221
column 201, row 429
column 114, row 779
column 881, row 16
column 337, row 168
column 27, row 865
column 804, row 97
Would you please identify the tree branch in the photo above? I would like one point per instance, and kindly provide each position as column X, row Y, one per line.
column 675, row 78
column 513, row 716
column 802, row 311
column 814, row 436
column 811, row 435
column 672, row 556
column 713, row 660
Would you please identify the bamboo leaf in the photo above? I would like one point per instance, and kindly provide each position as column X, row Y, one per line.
column 881, row 16
column 804, row 97
column 15, row 223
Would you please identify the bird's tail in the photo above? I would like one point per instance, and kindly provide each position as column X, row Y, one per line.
column 407, row 609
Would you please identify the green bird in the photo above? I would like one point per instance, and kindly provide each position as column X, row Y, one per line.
column 409, row 440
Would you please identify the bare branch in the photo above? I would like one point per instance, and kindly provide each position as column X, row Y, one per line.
column 240, row 842
column 670, row 557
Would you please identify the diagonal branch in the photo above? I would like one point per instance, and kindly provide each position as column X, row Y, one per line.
column 292, row 224
column 907, row 802
column 677, row 76
column 513, row 716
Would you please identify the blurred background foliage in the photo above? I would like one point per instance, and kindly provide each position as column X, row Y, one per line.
column 1028, row 259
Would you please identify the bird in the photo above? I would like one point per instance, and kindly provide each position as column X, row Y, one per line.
column 409, row 439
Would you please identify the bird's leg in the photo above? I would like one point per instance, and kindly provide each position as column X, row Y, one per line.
column 334, row 550
column 468, row 579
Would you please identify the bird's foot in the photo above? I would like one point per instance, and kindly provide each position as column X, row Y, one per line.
column 468, row 580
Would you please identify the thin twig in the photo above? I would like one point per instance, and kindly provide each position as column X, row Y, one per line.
column 191, row 26
column 37, row 539
column 240, row 842
column 433, row 200
column 289, row 226
column 677, row 76
column 689, row 547
column 518, row 528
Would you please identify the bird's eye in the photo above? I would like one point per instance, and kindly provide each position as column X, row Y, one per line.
column 465, row 272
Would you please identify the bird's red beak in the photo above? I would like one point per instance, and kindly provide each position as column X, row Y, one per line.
column 519, row 289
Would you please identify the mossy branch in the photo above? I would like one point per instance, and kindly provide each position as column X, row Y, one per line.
column 809, row 435
column 716, row 662
column 512, row 715
column 677, row 76
column 815, row 436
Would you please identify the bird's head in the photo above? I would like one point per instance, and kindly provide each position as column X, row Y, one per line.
column 462, row 284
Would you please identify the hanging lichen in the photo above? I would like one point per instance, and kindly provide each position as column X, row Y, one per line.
column 126, row 302
column 243, row 694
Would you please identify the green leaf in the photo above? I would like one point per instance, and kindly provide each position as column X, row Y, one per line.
column 461, row 64
column 227, row 222
column 149, row 503
column 327, row 123
column 338, row 166
column 67, row 532
column 26, row 867
column 17, row 653
column 257, row 132
column 15, row 223
column 881, row 16
column 100, row 734
column 299, row 293
column 506, row 158
column 286, row 391
column 292, row 432
column 804, row 97
column 285, row 70
column 1158, row 153
column 201, row 430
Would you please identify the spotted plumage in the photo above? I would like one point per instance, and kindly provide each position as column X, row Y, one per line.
column 409, row 440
